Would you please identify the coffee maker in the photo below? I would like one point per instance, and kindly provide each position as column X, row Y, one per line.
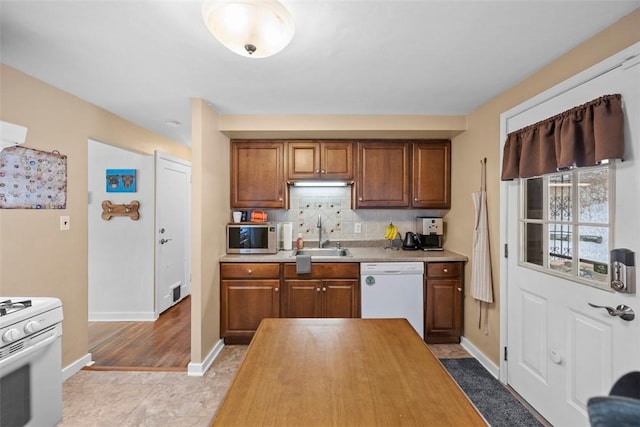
column 429, row 233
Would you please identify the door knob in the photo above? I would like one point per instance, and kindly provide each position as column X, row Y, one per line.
column 622, row 311
column 163, row 241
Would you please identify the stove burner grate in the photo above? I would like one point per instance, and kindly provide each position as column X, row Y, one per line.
column 7, row 306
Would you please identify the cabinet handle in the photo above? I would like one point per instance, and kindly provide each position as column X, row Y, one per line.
column 280, row 199
column 317, row 289
column 446, row 270
column 459, row 289
column 322, row 171
column 415, row 200
column 324, row 289
column 276, row 289
column 360, row 198
column 317, row 170
column 249, row 271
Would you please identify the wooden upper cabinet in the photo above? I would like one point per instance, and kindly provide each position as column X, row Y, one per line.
column 431, row 175
column 257, row 174
column 320, row 160
column 382, row 175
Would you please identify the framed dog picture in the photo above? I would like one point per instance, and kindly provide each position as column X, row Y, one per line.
column 121, row 180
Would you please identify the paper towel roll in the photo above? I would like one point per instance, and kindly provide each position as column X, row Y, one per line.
column 287, row 235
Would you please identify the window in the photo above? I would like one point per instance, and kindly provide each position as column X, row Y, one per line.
column 566, row 223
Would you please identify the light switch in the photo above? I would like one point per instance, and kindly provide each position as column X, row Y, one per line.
column 64, row 223
column 357, row 227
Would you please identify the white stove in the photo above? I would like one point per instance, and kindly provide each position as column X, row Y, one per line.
column 30, row 361
column 15, row 310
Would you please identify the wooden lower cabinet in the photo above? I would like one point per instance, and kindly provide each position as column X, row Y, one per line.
column 330, row 290
column 248, row 294
column 443, row 305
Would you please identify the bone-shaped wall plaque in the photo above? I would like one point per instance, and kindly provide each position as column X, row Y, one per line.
column 131, row 210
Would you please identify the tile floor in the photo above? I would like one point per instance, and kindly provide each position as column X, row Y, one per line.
column 151, row 398
column 158, row 399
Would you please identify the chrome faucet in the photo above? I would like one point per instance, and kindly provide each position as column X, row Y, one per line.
column 319, row 225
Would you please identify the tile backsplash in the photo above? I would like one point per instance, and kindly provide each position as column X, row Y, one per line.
column 338, row 219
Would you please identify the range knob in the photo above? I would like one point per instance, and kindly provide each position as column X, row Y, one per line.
column 31, row 327
column 11, row 335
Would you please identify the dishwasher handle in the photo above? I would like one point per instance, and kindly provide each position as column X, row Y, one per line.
column 393, row 273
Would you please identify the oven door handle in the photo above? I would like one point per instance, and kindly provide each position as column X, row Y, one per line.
column 20, row 355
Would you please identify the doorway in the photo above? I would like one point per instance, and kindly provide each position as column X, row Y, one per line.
column 122, row 265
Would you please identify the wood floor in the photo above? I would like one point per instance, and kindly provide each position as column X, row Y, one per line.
column 163, row 345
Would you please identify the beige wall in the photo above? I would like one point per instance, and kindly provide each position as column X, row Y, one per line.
column 210, row 214
column 36, row 259
column 482, row 139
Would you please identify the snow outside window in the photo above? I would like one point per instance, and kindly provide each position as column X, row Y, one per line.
column 565, row 224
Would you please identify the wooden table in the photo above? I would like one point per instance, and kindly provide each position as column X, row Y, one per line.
column 343, row 372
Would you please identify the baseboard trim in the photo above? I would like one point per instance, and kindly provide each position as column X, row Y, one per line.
column 481, row 357
column 75, row 367
column 143, row 316
column 199, row 369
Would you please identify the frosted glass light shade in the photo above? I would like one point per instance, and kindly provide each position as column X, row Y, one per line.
column 251, row 28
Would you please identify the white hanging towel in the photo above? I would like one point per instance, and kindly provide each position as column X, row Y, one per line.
column 481, row 284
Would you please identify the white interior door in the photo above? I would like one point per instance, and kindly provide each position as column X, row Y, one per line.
column 173, row 214
column 560, row 350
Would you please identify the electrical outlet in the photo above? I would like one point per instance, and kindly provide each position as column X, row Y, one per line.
column 357, row 227
column 64, row 223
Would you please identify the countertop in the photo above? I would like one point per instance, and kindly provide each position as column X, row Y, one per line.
column 359, row 254
column 322, row 383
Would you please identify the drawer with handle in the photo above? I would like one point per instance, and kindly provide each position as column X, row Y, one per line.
column 444, row 269
column 250, row 271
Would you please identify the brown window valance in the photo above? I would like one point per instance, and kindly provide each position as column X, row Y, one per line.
column 582, row 136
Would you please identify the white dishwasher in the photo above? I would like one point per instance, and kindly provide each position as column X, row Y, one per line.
column 391, row 290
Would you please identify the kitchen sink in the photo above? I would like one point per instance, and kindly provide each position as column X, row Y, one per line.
column 323, row 252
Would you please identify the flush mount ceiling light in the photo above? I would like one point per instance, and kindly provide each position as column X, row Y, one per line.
column 251, row 28
column 172, row 123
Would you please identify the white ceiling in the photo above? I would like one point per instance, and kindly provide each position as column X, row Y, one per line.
column 144, row 59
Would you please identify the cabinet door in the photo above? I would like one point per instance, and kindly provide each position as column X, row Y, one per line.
column 336, row 160
column 431, row 175
column 443, row 311
column 341, row 298
column 383, row 175
column 303, row 160
column 302, row 298
column 257, row 175
column 244, row 303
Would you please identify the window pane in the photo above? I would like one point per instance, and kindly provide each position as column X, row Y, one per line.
column 593, row 195
column 533, row 200
column 533, row 244
column 560, row 204
column 560, row 248
column 593, row 251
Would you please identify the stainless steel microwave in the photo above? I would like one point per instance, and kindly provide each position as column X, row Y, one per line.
column 252, row 238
